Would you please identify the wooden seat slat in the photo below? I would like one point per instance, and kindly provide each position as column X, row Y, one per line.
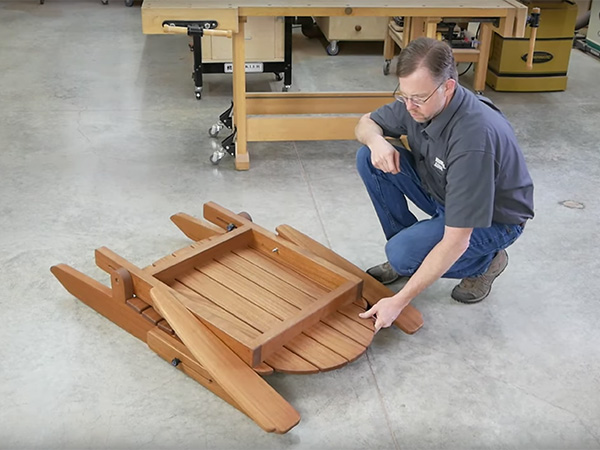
column 267, row 280
column 316, row 353
column 151, row 315
column 250, row 392
column 137, row 304
column 350, row 328
column 223, row 319
column 249, row 289
column 288, row 274
column 222, row 296
column 409, row 320
column 164, row 325
column 287, row 361
column 336, row 341
column 351, row 311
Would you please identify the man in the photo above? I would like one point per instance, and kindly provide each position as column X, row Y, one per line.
column 465, row 170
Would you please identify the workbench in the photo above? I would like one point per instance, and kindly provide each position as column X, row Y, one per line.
column 290, row 116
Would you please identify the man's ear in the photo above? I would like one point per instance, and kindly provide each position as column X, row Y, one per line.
column 450, row 85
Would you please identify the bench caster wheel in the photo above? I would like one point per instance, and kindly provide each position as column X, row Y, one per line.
column 216, row 157
column 105, row 2
column 129, row 3
column 214, row 130
column 386, row 67
column 278, row 77
column 285, row 88
column 333, row 48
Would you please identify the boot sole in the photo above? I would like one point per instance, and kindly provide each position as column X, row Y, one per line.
column 387, row 281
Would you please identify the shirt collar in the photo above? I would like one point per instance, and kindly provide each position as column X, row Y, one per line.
column 437, row 124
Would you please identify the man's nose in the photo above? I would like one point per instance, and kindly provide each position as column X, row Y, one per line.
column 410, row 105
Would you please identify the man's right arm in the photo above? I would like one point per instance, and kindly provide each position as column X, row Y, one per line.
column 383, row 154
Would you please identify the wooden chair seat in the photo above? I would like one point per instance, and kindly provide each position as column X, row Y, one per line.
column 241, row 302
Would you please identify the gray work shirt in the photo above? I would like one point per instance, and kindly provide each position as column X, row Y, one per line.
column 468, row 159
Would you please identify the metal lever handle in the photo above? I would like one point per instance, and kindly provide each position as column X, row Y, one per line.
column 171, row 29
column 534, row 23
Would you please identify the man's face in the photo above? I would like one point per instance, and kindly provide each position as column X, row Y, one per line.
column 424, row 97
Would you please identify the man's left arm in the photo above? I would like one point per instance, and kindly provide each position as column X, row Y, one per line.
column 454, row 243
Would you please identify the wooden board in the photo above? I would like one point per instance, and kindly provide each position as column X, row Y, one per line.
column 250, row 392
column 99, row 297
column 376, row 8
column 155, row 12
column 252, row 292
column 210, row 313
column 409, row 321
column 190, row 9
column 170, row 349
column 315, row 103
column 259, row 280
column 287, row 361
column 195, row 229
column 298, row 290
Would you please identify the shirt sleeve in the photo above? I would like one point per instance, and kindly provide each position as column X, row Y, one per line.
column 391, row 118
column 470, row 187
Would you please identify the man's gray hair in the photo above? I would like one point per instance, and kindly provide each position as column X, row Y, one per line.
column 435, row 56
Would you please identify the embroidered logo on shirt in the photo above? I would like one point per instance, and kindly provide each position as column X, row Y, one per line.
column 439, row 164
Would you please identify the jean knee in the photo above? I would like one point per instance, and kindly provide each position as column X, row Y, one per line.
column 400, row 258
column 408, row 248
column 363, row 161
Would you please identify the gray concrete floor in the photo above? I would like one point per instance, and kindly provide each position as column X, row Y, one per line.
column 102, row 140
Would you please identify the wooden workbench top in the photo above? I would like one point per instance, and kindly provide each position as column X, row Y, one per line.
column 155, row 12
column 469, row 8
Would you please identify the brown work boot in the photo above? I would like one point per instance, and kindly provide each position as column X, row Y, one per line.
column 473, row 290
column 384, row 273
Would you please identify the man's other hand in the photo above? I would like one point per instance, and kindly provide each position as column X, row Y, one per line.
column 385, row 157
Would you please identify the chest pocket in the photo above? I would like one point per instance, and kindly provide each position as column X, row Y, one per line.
column 437, row 170
column 434, row 178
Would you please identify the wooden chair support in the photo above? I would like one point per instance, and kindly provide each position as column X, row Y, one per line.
column 250, row 392
column 409, row 321
column 100, row 298
column 116, row 309
column 199, row 308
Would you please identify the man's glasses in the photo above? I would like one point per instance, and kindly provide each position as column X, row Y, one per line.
column 418, row 102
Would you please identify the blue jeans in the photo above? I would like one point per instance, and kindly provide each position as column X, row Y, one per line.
column 409, row 241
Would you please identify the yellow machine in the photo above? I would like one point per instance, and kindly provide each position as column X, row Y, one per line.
column 507, row 69
column 593, row 34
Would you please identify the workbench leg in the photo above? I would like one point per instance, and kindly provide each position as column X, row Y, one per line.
column 417, row 28
column 431, row 27
column 485, row 38
column 388, row 46
column 406, row 31
column 242, row 160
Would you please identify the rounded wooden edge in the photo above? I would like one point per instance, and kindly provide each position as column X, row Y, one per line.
column 263, row 369
column 288, row 361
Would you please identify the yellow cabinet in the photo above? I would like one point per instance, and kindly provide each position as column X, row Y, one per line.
column 507, row 68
